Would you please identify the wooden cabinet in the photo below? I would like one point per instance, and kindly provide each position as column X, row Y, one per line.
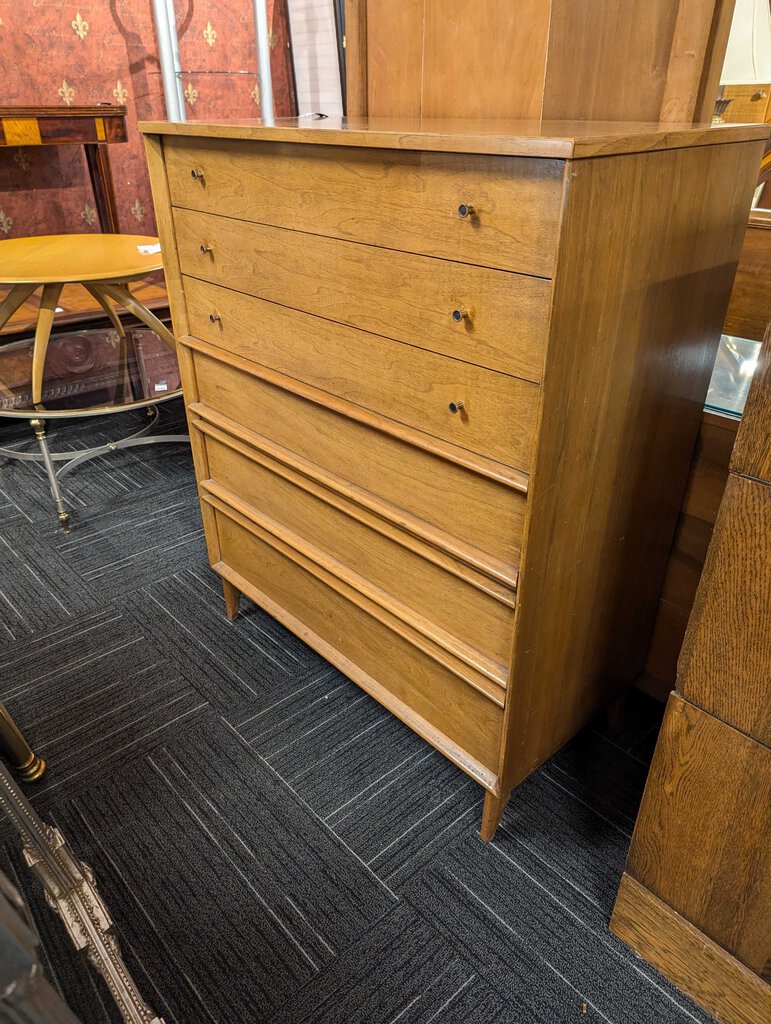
column 443, row 386
column 695, row 898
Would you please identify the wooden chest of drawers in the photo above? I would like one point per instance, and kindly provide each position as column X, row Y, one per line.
column 443, row 386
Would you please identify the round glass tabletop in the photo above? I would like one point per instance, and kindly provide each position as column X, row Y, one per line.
column 89, row 372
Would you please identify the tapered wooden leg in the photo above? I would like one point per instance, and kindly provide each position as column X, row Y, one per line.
column 232, row 598
column 48, row 304
column 15, row 748
column 124, row 298
column 491, row 814
column 15, row 297
column 107, row 306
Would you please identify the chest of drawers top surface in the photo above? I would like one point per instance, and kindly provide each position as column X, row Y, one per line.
column 560, row 139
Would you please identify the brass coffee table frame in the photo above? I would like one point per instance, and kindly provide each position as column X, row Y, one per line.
column 37, row 420
column 69, row 884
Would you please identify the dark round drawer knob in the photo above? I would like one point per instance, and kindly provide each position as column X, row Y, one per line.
column 214, row 317
column 460, row 314
column 196, row 175
column 466, row 210
column 456, row 407
column 204, row 248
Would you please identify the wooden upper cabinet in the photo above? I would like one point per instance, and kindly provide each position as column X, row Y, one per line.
column 556, row 59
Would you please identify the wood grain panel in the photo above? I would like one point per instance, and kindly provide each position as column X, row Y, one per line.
column 310, row 602
column 750, row 307
column 608, row 61
column 447, row 505
column 725, row 664
column 479, row 620
column 401, row 296
column 706, row 815
column 713, row 978
column 356, row 58
column 395, row 58
column 406, row 201
column 561, row 139
column 399, row 381
column 752, row 452
column 655, row 331
column 485, row 59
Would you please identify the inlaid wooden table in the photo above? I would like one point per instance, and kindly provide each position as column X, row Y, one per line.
column 93, row 128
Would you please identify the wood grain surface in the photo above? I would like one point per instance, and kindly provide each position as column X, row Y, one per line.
column 406, row 201
column 713, row 978
column 398, row 295
column 560, row 139
column 703, row 833
column 408, row 384
column 725, row 663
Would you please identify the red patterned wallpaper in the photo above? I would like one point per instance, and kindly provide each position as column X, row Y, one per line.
column 95, row 51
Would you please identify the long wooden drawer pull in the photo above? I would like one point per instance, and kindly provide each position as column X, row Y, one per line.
column 465, row 211
column 460, row 314
column 456, row 407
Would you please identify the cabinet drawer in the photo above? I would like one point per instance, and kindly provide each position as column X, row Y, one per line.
column 405, row 200
column 400, row 381
column 476, row 518
column 456, row 718
column 459, row 609
column 395, row 294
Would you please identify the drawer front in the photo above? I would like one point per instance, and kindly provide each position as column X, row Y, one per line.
column 400, row 381
column 445, row 601
column 451, row 506
column 458, row 719
column 400, row 200
column 503, row 317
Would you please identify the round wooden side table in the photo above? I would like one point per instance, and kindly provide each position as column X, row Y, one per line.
column 104, row 265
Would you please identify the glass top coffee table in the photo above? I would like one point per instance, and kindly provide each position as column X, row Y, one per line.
column 88, row 373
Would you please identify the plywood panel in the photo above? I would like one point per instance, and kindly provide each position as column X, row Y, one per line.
column 484, row 59
column 608, row 60
column 395, row 58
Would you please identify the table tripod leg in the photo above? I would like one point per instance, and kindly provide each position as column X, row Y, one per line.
column 17, row 751
column 123, row 297
column 40, row 433
column 48, row 304
column 15, row 297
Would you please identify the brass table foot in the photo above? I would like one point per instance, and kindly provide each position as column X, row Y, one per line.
column 17, row 751
column 32, row 770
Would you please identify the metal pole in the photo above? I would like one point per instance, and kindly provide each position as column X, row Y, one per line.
column 264, row 76
column 168, row 54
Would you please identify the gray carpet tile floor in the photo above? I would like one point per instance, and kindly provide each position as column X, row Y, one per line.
column 275, row 847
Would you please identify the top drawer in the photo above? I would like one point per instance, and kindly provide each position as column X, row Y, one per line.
column 395, row 199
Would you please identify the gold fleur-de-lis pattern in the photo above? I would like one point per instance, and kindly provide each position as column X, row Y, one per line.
column 77, row 61
column 80, row 25
column 21, row 158
column 66, row 92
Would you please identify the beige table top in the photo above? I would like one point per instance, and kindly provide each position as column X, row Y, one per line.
column 45, row 259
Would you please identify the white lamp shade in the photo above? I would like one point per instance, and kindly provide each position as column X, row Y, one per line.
column 748, row 57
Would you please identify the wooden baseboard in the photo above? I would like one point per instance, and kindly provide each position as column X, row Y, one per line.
column 714, row 979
